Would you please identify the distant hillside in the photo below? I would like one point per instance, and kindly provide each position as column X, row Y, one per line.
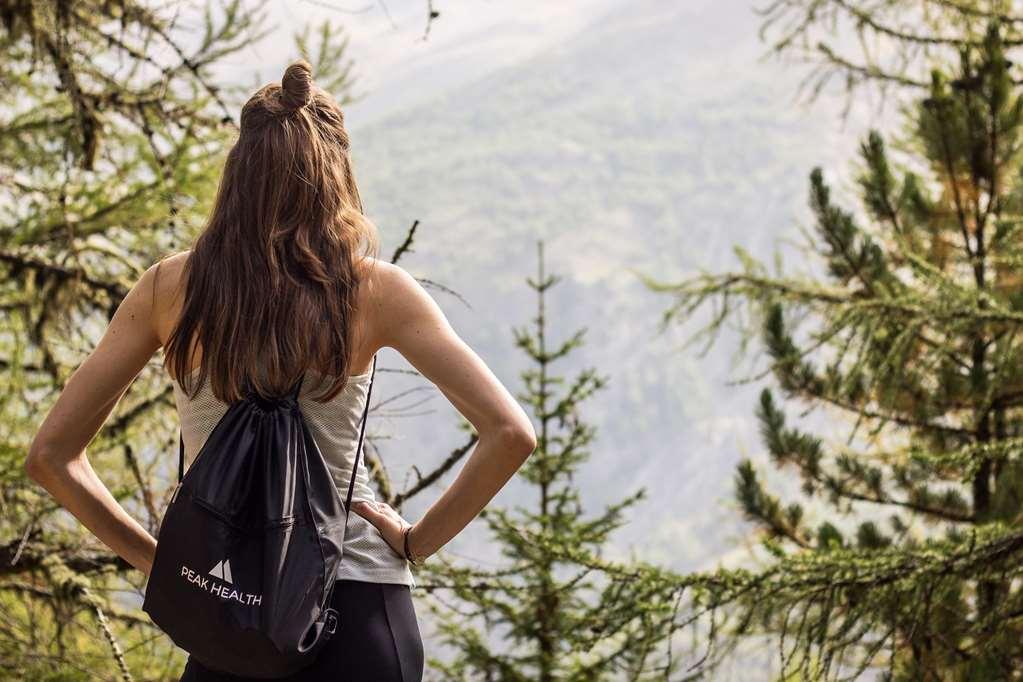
column 655, row 144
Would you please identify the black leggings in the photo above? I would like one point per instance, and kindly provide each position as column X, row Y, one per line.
column 377, row 640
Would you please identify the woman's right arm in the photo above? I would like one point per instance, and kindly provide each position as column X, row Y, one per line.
column 412, row 323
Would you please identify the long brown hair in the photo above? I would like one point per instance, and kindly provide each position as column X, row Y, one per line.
column 272, row 278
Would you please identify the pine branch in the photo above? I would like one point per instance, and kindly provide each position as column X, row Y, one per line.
column 869, row 20
column 21, row 262
column 438, row 471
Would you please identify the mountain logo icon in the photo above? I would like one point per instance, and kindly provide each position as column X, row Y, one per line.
column 222, row 570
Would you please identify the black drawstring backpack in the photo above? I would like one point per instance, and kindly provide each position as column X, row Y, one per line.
column 248, row 548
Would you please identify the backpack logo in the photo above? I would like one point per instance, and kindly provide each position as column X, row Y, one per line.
column 222, row 570
column 223, row 590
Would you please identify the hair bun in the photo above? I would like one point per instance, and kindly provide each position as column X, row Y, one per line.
column 297, row 85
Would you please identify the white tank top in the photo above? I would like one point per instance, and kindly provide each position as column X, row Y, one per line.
column 334, row 426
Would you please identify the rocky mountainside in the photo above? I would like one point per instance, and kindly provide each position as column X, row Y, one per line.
column 654, row 141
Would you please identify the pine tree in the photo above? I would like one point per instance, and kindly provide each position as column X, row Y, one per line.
column 905, row 552
column 554, row 610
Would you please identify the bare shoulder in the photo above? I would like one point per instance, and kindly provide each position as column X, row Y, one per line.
column 170, row 268
column 393, row 299
column 377, row 272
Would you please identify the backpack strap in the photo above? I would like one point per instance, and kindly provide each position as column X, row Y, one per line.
column 181, row 455
column 358, row 448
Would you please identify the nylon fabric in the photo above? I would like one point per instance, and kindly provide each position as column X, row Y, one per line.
column 248, row 548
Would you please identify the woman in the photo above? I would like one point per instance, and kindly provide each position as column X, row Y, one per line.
column 274, row 287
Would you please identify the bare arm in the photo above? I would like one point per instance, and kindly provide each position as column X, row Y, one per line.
column 57, row 458
column 415, row 326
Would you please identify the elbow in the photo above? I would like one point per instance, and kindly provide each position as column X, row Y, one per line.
column 38, row 464
column 519, row 439
column 35, row 465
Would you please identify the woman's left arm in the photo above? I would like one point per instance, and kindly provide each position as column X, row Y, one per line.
column 57, row 458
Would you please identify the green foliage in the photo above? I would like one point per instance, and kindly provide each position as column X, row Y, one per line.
column 904, row 553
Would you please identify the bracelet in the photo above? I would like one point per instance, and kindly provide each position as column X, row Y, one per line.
column 408, row 553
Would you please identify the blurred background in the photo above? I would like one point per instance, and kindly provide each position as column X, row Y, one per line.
column 806, row 207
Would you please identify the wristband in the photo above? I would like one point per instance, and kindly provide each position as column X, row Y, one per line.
column 408, row 553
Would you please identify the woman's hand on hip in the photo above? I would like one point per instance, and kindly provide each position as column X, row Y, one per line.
column 386, row 520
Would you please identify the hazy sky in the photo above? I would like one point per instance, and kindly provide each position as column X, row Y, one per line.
column 394, row 62
column 395, row 65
